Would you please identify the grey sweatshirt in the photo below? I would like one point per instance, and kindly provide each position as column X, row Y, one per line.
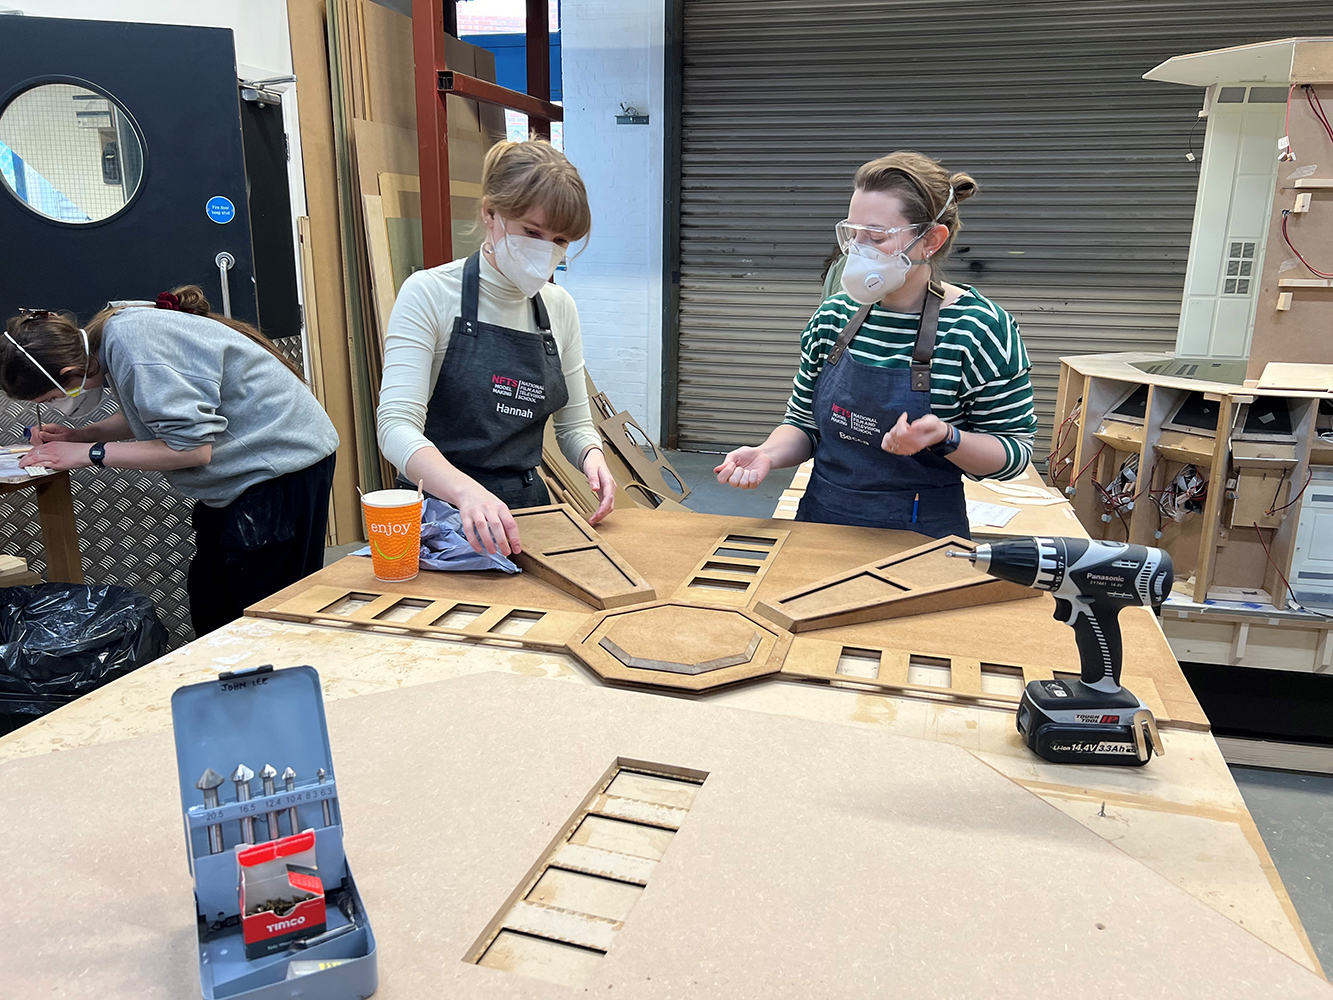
column 190, row 381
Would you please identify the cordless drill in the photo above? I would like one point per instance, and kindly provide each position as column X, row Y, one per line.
column 1092, row 720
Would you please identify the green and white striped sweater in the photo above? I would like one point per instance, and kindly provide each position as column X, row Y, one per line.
column 978, row 375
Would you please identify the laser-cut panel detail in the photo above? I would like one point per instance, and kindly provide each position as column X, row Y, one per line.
column 690, row 646
column 954, row 678
column 565, row 915
column 429, row 617
column 733, row 569
column 919, row 581
column 559, row 548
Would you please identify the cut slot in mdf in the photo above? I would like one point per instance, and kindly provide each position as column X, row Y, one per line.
column 565, row 914
column 425, row 616
column 561, row 549
column 904, row 672
column 733, row 569
column 919, row 581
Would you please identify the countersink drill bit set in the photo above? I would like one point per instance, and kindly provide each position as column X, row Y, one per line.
column 210, row 781
column 274, row 896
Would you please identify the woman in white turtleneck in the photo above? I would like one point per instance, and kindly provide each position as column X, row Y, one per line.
column 480, row 351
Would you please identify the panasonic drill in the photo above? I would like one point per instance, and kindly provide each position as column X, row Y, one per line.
column 1092, row 720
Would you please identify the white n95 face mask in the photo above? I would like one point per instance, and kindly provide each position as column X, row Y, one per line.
column 527, row 261
column 870, row 274
column 79, row 407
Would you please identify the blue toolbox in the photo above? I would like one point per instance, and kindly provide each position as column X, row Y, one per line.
column 278, row 912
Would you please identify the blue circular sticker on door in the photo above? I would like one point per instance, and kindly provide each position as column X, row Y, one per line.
column 220, row 210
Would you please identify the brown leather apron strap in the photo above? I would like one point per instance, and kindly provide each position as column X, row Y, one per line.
column 849, row 333
column 924, row 348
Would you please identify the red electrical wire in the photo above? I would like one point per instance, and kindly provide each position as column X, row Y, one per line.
column 1309, row 475
column 1312, row 269
column 1074, row 481
column 1282, row 577
column 1312, row 99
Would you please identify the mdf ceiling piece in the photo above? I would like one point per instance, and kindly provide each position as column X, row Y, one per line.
column 734, row 568
column 377, row 610
column 690, row 646
column 816, row 859
column 560, row 548
column 901, row 671
column 918, row 581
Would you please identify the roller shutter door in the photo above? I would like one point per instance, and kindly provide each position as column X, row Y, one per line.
column 1083, row 223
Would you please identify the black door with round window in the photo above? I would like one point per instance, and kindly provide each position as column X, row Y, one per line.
column 122, row 171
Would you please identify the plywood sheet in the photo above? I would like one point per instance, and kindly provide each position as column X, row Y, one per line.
column 326, row 316
column 789, row 828
column 919, row 581
column 559, row 547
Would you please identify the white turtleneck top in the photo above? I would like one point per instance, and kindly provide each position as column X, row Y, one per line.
column 418, row 337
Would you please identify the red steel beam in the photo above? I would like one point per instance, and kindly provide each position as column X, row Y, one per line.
column 437, row 241
column 539, row 66
column 435, row 81
column 461, row 85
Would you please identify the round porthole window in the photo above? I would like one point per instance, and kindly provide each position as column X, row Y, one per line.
column 69, row 153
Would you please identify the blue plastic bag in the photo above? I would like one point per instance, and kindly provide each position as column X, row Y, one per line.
column 445, row 547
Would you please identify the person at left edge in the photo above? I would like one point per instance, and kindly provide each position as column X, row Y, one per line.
column 206, row 400
column 479, row 353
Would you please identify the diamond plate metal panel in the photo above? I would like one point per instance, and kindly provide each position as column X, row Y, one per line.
column 292, row 348
column 133, row 530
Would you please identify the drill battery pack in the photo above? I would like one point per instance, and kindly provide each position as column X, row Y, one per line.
column 1068, row 722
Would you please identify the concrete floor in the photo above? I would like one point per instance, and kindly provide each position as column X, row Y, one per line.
column 1294, row 812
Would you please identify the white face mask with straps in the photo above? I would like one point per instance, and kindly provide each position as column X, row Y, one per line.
column 525, row 260
column 870, row 273
column 77, row 402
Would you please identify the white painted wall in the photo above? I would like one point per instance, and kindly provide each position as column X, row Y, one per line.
column 612, row 52
column 263, row 48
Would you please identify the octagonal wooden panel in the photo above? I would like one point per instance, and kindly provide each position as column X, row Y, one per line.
column 689, row 646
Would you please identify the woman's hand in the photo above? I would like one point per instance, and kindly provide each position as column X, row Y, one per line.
column 602, row 483
column 906, row 438
column 58, row 456
column 744, row 468
column 53, row 432
column 487, row 523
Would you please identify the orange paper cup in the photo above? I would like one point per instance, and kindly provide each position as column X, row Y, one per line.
column 393, row 525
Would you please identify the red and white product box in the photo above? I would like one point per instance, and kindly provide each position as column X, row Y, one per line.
column 282, row 897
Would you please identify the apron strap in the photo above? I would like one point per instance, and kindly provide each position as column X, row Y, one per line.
column 471, row 288
column 925, row 337
column 472, row 293
column 542, row 316
column 848, row 334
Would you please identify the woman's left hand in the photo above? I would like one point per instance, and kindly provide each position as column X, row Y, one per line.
column 58, row 456
column 601, row 481
column 906, row 438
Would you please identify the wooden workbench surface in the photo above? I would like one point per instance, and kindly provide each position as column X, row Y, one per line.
column 1181, row 815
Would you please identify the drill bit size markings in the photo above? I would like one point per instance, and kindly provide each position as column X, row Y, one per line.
column 200, row 816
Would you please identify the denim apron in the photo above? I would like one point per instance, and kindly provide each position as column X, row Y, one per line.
column 854, row 480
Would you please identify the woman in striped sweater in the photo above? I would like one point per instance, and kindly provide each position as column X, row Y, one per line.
column 906, row 382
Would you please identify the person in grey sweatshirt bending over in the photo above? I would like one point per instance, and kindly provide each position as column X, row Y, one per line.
column 206, row 400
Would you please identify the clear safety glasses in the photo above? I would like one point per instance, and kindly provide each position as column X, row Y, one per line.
column 849, row 232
